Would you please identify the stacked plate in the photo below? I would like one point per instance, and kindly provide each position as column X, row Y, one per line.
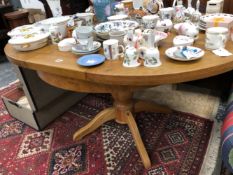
column 210, row 18
column 78, row 50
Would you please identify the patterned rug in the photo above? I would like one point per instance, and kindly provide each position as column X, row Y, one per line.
column 176, row 144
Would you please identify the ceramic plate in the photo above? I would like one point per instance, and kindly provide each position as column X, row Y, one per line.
column 116, row 25
column 91, row 60
column 79, row 51
column 170, row 53
column 210, row 17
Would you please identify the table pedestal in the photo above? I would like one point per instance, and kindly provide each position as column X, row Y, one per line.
column 122, row 110
column 122, row 113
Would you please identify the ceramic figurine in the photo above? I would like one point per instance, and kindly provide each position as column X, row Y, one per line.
column 190, row 10
column 196, row 15
column 179, row 14
column 151, row 53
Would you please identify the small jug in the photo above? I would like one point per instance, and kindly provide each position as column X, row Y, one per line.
column 151, row 54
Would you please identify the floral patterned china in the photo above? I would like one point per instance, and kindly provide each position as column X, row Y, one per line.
column 30, row 41
column 115, row 25
column 23, row 30
column 61, row 22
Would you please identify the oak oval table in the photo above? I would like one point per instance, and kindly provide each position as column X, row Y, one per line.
column 60, row 69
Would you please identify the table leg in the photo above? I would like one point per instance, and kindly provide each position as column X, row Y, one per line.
column 138, row 140
column 104, row 116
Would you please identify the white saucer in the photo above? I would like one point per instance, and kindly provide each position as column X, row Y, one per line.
column 170, row 53
column 96, row 47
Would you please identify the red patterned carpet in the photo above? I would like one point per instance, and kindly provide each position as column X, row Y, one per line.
column 176, row 144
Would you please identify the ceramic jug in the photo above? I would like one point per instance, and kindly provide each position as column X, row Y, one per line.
column 151, row 54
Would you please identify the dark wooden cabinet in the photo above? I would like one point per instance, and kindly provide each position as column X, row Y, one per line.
column 4, row 28
column 228, row 6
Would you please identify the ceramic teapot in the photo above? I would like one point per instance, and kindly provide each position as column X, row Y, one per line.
column 188, row 29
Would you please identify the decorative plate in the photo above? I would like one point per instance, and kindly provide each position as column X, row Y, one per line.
column 78, row 50
column 116, row 25
column 171, row 54
column 210, row 17
column 91, row 60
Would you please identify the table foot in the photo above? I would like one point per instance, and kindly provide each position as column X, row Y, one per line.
column 137, row 139
column 140, row 106
column 104, row 116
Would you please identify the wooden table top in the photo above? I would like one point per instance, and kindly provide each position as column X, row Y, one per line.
column 113, row 73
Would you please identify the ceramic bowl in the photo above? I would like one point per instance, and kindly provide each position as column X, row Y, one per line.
column 29, row 42
column 102, row 30
column 61, row 22
column 66, row 44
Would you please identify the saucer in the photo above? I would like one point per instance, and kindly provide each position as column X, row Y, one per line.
column 79, row 51
column 91, row 60
column 171, row 54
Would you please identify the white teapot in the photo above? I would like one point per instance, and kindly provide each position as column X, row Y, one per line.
column 187, row 29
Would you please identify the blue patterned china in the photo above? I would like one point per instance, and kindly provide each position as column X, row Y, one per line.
column 91, row 60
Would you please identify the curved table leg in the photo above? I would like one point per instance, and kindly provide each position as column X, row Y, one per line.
column 137, row 139
column 140, row 106
column 104, row 116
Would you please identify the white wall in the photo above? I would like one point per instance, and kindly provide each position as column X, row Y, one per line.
column 35, row 4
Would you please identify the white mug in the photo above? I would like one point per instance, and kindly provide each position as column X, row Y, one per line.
column 150, row 21
column 166, row 13
column 111, row 49
column 87, row 18
column 84, row 36
column 216, row 37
